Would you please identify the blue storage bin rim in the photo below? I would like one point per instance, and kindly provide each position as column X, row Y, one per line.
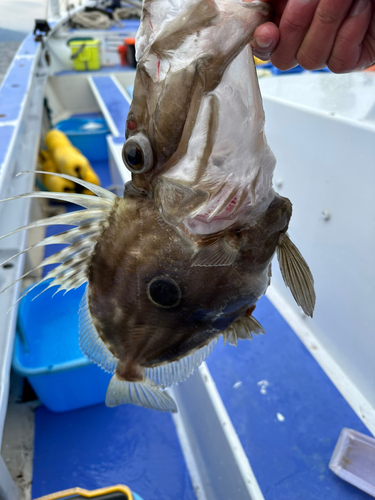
column 44, row 370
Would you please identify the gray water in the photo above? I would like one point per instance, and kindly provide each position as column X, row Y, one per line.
column 7, row 52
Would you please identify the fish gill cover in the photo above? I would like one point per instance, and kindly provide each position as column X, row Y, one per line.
column 185, row 254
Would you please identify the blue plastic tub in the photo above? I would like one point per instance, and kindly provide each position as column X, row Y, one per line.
column 47, row 352
column 88, row 135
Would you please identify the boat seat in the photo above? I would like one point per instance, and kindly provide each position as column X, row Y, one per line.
column 114, row 103
column 113, row 100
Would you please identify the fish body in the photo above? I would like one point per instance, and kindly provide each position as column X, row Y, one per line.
column 185, row 254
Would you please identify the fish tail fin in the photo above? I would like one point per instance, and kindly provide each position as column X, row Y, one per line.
column 296, row 274
column 144, row 393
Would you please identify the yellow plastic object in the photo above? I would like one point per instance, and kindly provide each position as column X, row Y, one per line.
column 89, row 494
column 51, row 182
column 258, row 61
column 85, row 54
column 57, row 184
column 46, row 161
column 91, row 177
column 67, row 158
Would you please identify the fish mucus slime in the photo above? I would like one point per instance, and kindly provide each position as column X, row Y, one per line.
column 185, row 254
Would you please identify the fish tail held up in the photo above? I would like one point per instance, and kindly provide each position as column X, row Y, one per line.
column 144, row 393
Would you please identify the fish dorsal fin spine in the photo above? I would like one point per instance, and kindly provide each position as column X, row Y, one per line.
column 296, row 274
column 90, row 342
column 144, row 393
column 178, row 371
column 98, row 190
column 222, row 252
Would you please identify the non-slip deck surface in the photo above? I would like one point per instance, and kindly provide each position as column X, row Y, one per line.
column 97, row 446
column 287, row 413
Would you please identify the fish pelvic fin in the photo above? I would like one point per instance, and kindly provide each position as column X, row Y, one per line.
column 296, row 274
column 145, row 393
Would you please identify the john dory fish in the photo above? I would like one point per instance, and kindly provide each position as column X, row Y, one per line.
column 185, row 254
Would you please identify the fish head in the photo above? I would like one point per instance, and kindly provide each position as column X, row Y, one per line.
column 174, row 132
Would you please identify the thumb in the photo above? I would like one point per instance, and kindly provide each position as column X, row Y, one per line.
column 265, row 40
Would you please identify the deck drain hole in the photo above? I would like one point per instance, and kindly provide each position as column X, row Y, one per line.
column 2, row 116
column 15, row 85
column 9, row 265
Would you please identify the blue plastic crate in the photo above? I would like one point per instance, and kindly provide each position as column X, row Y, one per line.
column 88, row 135
column 47, row 353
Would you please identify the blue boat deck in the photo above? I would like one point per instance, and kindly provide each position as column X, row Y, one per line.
column 286, row 412
column 98, row 446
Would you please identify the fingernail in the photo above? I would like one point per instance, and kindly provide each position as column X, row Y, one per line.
column 264, row 42
column 359, row 7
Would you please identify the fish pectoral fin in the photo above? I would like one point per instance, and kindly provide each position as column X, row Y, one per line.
column 222, row 252
column 177, row 201
column 296, row 274
column 144, row 393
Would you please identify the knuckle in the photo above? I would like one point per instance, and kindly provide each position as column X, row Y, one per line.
column 308, row 61
column 326, row 17
column 283, row 64
column 292, row 25
column 337, row 65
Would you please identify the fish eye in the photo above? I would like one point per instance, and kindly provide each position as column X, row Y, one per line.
column 164, row 292
column 137, row 154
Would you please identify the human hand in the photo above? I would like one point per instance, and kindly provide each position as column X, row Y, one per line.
column 339, row 34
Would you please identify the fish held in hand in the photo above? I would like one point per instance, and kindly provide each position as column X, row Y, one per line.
column 185, row 254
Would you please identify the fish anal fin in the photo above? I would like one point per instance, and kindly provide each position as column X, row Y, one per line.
column 242, row 329
column 296, row 274
column 174, row 372
column 222, row 252
column 144, row 393
column 229, row 335
column 253, row 325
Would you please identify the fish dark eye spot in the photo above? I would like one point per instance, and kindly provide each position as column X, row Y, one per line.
column 164, row 292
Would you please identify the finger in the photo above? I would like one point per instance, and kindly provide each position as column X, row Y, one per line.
column 319, row 40
column 278, row 7
column 265, row 39
column 354, row 47
column 293, row 27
